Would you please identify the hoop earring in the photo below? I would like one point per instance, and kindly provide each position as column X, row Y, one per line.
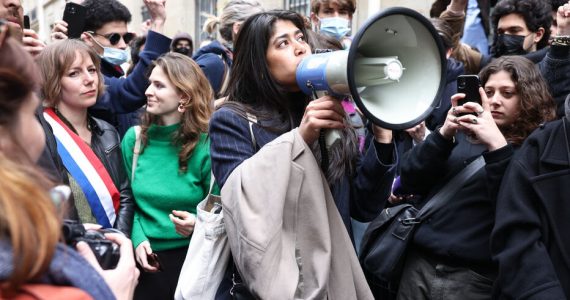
column 181, row 108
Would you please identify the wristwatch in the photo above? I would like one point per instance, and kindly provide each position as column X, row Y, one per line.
column 562, row 40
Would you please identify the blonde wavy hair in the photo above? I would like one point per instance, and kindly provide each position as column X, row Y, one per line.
column 191, row 82
column 234, row 11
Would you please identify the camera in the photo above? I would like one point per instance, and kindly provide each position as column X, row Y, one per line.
column 106, row 252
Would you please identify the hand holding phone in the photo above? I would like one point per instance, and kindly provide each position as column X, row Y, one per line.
column 74, row 16
column 153, row 260
column 469, row 85
column 26, row 22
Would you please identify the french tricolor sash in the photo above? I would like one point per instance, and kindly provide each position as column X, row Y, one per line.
column 87, row 170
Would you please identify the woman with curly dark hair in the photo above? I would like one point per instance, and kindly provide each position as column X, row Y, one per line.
column 534, row 100
column 530, row 240
column 450, row 253
column 172, row 172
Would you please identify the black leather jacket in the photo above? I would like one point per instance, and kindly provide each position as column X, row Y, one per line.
column 105, row 143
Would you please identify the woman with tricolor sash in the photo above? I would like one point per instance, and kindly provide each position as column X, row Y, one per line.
column 170, row 172
column 87, row 148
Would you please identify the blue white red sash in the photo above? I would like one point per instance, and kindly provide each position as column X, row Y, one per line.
column 87, row 170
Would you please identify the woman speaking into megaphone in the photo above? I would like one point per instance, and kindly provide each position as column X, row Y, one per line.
column 264, row 103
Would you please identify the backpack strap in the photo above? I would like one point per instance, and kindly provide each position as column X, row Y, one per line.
column 136, row 151
column 226, row 78
column 252, row 119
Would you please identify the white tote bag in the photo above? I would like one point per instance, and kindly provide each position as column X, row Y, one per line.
column 208, row 253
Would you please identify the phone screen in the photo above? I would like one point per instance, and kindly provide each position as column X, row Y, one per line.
column 26, row 22
column 469, row 85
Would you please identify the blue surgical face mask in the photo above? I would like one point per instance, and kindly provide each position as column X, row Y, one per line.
column 336, row 27
column 115, row 56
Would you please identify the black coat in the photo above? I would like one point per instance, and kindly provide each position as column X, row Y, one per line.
column 106, row 145
column 531, row 238
column 458, row 233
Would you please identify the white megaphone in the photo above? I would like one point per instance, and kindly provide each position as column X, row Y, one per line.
column 394, row 70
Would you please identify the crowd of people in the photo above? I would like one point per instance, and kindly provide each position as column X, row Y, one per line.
column 128, row 155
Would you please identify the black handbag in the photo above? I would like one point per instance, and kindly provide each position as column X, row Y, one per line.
column 385, row 241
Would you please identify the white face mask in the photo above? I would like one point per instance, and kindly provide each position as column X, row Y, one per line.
column 115, row 56
column 336, row 27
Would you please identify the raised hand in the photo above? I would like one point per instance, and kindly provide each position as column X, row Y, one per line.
column 563, row 20
column 32, row 42
column 157, row 11
column 59, row 30
column 481, row 125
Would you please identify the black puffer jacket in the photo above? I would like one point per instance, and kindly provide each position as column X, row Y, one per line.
column 105, row 143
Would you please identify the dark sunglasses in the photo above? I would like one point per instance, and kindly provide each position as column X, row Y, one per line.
column 114, row 38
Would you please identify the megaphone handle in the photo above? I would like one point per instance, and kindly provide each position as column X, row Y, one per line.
column 324, row 151
column 326, row 137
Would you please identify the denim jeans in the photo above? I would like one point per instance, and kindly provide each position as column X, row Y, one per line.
column 424, row 278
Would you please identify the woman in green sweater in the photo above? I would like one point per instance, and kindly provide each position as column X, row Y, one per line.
column 172, row 172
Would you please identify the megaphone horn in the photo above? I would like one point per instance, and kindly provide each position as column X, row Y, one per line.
column 394, row 69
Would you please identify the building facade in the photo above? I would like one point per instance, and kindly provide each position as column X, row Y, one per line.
column 189, row 15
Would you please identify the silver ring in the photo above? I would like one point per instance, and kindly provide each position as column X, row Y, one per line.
column 480, row 112
column 474, row 120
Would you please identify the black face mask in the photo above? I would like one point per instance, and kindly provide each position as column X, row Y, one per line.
column 182, row 50
column 508, row 44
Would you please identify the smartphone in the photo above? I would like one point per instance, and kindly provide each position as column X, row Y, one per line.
column 154, row 261
column 74, row 16
column 26, row 22
column 469, row 85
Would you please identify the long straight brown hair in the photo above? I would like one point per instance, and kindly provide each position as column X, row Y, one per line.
column 191, row 82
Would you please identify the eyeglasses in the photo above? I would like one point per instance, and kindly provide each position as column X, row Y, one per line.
column 114, row 37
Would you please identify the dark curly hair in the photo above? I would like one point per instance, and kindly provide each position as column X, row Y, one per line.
column 555, row 4
column 101, row 12
column 536, row 14
column 536, row 103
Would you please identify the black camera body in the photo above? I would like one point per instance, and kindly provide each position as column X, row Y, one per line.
column 106, row 252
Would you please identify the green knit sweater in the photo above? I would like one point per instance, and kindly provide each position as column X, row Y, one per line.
column 159, row 187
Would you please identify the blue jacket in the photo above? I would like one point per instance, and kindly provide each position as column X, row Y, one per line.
column 211, row 60
column 123, row 96
column 361, row 197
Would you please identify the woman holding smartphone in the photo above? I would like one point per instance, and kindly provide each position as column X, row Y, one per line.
column 455, row 241
column 172, row 172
